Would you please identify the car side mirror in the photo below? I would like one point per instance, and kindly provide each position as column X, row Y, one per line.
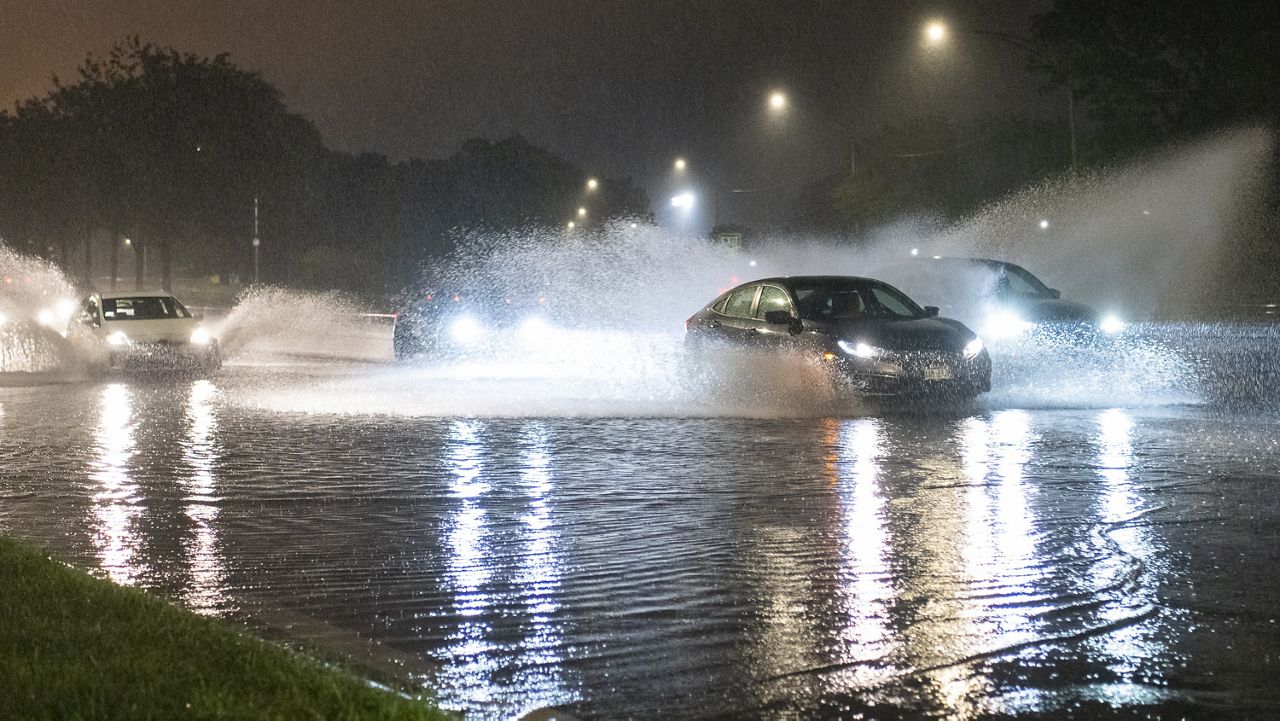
column 782, row 317
column 1055, row 293
column 931, row 311
column 777, row 317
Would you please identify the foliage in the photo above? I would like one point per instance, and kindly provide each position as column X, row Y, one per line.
column 1151, row 71
column 940, row 167
column 171, row 149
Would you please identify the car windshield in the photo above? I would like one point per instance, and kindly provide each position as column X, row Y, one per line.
column 1016, row 279
column 841, row 301
column 144, row 308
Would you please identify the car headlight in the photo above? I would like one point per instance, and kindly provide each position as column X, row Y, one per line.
column 46, row 318
column 859, row 349
column 1005, row 324
column 1111, row 323
column 118, row 339
column 973, row 348
column 466, row 330
column 200, row 336
column 534, row 328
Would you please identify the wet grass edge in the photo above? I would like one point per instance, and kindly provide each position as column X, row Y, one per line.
column 77, row 647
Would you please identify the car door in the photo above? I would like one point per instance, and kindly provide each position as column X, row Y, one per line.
column 737, row 319
column 762, row 333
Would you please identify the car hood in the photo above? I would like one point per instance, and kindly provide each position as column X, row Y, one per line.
column 174, row 330
column 921, row 334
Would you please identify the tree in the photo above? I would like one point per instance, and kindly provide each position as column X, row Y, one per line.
column 1150, row 71
column 170, row 147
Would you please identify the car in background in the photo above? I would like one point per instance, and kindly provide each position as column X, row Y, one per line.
column 461, row 324
column 143, row 331
column 999, row 298
column 873, row 335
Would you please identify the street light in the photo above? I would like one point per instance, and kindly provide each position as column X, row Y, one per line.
column 778, row 102
column 680, row 165
column 256, row 241
column 582, row 212
column 935, row 33
column 592, row 184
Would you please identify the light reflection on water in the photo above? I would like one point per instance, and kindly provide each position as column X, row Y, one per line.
column 200, row 448
column 931, row 564
column 116, row 503
column 541, row 677
column 471, row 656
column 1129, row 646
column 864, row 588
column 493, row 573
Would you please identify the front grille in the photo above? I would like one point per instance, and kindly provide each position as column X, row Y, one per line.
column 914, row 362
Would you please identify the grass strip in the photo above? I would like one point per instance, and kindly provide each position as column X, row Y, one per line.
column 77, row 647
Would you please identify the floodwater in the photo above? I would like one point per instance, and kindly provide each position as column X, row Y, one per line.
column 1113, row 555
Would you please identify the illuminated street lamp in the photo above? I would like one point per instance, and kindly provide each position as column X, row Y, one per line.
column 778, row 104
column 582, row 212
column 680, row 165
column 571, row 225
column 935, row 34
column 592, row 184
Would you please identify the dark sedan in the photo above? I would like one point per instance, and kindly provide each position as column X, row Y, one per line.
column 872, row 333
column 999, row 298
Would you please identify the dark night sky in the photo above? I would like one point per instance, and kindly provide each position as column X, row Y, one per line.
column 619, row 87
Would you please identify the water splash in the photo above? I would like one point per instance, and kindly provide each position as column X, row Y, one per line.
column 273, row 321
column 36, row 300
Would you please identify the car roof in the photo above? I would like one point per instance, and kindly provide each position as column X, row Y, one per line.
column 952, row 260
column 111, row 295
column 814, row 279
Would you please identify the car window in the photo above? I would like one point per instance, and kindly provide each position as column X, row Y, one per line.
column 739, row 305
column 719, row 306
column 772, row 298
column 888, row 303
column 1015, row 279
column 146, row 308
column 831, row 303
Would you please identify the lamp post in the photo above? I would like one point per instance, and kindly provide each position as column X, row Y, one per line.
column 936, row 33
column 256, row 241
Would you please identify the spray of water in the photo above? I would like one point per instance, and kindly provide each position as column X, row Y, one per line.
column 270, row 321
column 1137, row 239
column 35, row 301
column 1131, row 239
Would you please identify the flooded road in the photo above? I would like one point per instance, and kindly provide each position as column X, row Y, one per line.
column 1090, row 559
